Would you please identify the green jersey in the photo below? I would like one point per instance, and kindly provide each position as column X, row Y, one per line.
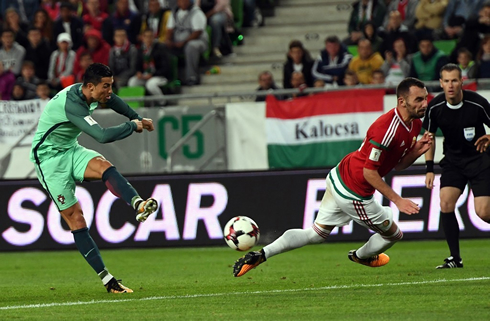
column 67, row 115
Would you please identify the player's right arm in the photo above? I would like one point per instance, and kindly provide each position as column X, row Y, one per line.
column 404, row 205
column 81, row 118
column 430, row 124
column 429, row 163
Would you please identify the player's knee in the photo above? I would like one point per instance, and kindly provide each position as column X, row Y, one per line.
column 483, row 213
column 447, row 206
column 395, row 237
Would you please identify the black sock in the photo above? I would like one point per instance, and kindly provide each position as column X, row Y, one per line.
column 451, row 230
column 118, row 185
column 89, row 249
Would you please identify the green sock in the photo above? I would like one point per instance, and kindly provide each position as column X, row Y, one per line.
column 88, row 249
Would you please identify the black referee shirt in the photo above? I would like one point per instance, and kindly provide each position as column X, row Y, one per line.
column 461, row 125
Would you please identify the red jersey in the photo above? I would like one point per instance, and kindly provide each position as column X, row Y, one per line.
column 387, row 140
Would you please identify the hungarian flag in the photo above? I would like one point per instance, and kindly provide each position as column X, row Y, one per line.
column 319, row 130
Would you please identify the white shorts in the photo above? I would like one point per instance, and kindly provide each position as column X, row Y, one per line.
column 340, row 205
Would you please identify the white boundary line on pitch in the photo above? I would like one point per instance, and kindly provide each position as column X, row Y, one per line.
column 187, row 296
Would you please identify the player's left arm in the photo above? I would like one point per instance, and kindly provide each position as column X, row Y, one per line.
column 120, row 107
column 483, row 141
column 420, row 148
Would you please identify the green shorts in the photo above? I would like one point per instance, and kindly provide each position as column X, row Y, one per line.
column 59, row 174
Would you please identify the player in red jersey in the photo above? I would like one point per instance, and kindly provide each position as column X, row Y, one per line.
column 391, row 142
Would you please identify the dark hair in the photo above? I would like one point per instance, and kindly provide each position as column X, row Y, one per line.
column 449, row 68
column 403, row 87
column 296, row 44
column 7, row 30
column 332, row 39
column 465, row 51
column 95, row 72
column 66, row 5
column 42, row 83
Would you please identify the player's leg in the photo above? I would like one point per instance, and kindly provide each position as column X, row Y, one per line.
column 55, row 174
column 73, row 216
column 329, row 216
column 453, row 183
column 481, row 191
column 91, row 166
column 379, row 219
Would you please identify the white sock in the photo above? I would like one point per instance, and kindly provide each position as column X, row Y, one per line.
column 378, row 244
column 296, row 238
column 136, row 200
column 105, row 276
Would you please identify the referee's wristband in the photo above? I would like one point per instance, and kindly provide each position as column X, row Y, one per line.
column 429, row 166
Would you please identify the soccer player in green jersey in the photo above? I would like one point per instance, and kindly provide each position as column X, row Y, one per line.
column 60, row 161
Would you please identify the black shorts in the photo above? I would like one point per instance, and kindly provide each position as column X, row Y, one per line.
column 476, row 172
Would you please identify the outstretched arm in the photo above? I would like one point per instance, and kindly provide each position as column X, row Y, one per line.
column 84, row 121
column 404, row 205
column 421, row 146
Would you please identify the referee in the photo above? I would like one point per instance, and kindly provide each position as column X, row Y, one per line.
column 460, row 114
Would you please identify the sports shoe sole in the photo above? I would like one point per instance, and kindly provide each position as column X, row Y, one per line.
column 241, row 266
column 149, row 207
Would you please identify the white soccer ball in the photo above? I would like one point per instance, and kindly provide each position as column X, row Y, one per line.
column 241, row 233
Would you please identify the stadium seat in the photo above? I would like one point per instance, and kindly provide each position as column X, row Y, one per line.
column 445, row 46
column 352, row 50
column 136, row 91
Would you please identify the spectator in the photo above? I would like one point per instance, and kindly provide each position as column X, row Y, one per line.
column 427, row 62
column 362, row 12
column 457, row 12
column 331, row 64
column 28, row 79
column 220, row 18
column 406, row 8
column 298, row 82
column 42, row 91
column 397, row 64
column 84, row 60
column 350, row 79
column 298, row 59
column 370, row 33
column 251, row 14
column 52, row 7
column 475, row 28
column 466, row 64
column 95, row 46
column 12, row 21
column 26, row 8
column 78, row 7
column 61, row 62
column 7, row 81
column 69, row 23
column 366, row 62
column 483, row 59
column 395, row 30
column 378, row 77
column 19, row 92
column 124, row 18
column 38, row 51
column 43, row 22
column 186, row 33
column 266, row 83
column 429, row 14
column 94, row 16
column 11, row 54
column 153, row 67
column 156, row 19
column 122, row 58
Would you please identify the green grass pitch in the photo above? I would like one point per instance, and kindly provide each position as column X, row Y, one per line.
column 316, row 282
